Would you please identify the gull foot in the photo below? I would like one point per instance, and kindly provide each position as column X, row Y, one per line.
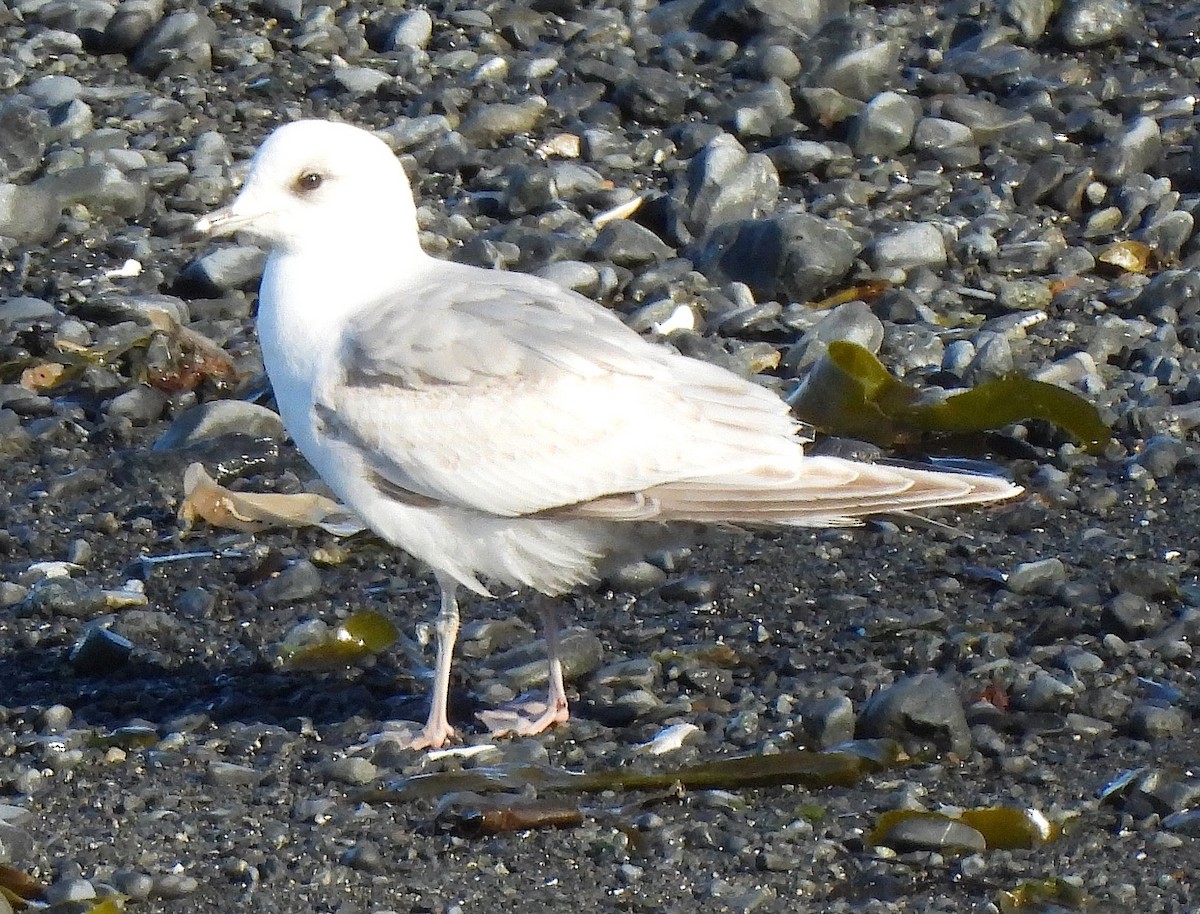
column 408, row 734
column 524, row 718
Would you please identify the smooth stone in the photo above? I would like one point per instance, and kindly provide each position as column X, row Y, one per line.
column 221, row 417
column 918, row 244
column 923, row 708
column 181, row 43
column 301, row 580
column 885, row 126
column 1087, row 23
column 727, row 184
column 226, row 268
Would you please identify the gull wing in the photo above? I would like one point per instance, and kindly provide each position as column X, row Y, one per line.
column 506, row 394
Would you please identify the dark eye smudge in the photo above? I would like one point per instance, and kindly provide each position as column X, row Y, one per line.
column 308, row 182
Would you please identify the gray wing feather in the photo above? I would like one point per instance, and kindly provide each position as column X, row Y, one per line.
column 506, row 394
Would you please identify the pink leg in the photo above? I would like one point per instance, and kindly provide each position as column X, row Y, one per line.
column 437, row 728
column 525, row 720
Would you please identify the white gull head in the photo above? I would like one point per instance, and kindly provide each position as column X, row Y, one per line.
column 321, row 185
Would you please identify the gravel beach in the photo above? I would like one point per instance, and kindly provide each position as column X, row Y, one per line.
column 980, row 710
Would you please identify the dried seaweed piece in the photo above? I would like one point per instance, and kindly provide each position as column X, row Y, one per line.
column 839, row 767
column 249, row 512
column 314, row 646
column 849, row 393
column 133, row 736
column 867, row 291
column 18, row 886
column 178, row 358
column 470, row 815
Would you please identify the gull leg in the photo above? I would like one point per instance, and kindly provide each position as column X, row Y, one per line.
column 437, row 728
column 556, row 696
column 523, row 720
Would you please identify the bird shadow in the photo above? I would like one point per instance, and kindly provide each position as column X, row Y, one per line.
column 143, row 692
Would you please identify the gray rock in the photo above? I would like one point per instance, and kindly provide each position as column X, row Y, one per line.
column 1030, row 16
column 1168, row 235
column 1137, row 150
column 24, row 133
column 30, row 213
column 922, row 708
column 628, row 244
column 798, row 17
column 828, row 721
column 52, row 91
column 987, row 121
column 863, row 73
column 69, row 891
column 1132, row 616
column 918, row 244
column 651, row 95
column 1154, row 722
column 1044, row 576
column 62, row 596
column 101, row 188
column 1046, row 694
column 299, row 581
column 141, row 405
column 181, row 43
column 99, row 652
column 174, row 885
column 1186, row 823
column 137, row 886
column 800, row 157
column 360, row 81
column 227, row 774
column 224, row 269
column 220, row 417
column 1086, row 23
column 24, row 310
column 576, row 275
column 945, row 836
column 353, row 770
column 938, row 133
column 130, row 24
column 797, row 255
column 412, row 30
column 828, row 106
column 778, row 61
column 885, row 126
column 727, row 184
column 493, row 124
column 993, row 358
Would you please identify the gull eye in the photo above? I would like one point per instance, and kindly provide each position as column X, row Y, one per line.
column 309, row 181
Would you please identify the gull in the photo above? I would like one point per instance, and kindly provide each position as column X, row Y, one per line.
column 501, row 428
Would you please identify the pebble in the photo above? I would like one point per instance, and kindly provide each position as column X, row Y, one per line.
column 1086, row 23
column 828, row 721
column 922, row 708
column 934, row 834
column 1153, row 722
column 221, row 270
column 100, row 652
column 885, row 126
column 217, row 418
column 727, row 184
column 1044, row 576
column 917, row 244
column 301, row 580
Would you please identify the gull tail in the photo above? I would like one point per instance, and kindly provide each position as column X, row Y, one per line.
column 816, row 492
